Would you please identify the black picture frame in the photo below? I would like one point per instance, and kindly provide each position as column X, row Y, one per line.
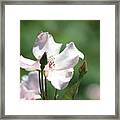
column 2, row 56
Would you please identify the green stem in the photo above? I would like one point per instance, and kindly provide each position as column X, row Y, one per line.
column 39, row 81
column 55, row 94
column 45, row 88
column 42, row 86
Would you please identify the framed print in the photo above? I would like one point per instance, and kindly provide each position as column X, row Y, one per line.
column 59, row 59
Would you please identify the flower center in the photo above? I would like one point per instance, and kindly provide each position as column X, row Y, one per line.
column 51, row 63
column 49, row 66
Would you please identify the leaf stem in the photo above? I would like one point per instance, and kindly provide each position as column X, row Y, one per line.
column 55, row 94
column 39, row 81
column 42, row 85
column 45, row 88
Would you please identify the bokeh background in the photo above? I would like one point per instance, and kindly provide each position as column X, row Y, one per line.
column 86, row 36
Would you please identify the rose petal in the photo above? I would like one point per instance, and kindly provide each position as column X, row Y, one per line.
column 68, row 58
column 45, row 43
column 60, row 79
column 28, row 64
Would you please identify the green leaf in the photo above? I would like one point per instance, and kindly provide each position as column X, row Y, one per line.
column 50, row 90
column 71, row 92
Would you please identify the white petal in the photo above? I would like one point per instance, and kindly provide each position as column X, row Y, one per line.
column 71, row 46
column 24, row 77
column 23, row 91
column 28, row 64
column 60, row 79
column 68, row 58
column 27, row 94
column 37, row 97
column 45, row 43
column 32, row 81
column 29, row 88
column 30, row 95
column 53, row 47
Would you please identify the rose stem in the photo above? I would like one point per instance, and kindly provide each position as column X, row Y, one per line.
column 55, row 94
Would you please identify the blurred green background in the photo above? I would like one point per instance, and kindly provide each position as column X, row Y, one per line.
column 86, row 36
